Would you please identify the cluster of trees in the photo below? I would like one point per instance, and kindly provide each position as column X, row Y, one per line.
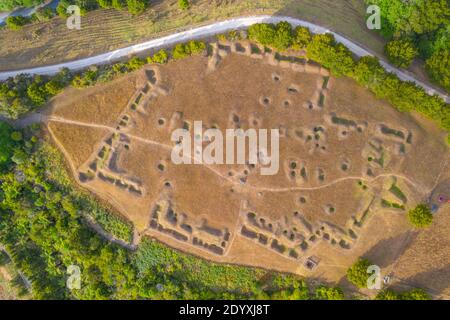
column 280, row 36
column 420, row 216
column 41, row 15
column 418, row 28
column 367, row 71
column 414, row 294
column 42, row 226
column 7, row 5
column 24, row 93
column 134, row 7
column 357, row 273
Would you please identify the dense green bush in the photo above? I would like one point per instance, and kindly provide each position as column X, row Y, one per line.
column 302, row 37
column 183, row 4
column 401, row 53
column 183, row 50
column 17, row 22
column 357, row 274
column 414, row 294
column 7, row 5
column 326, row 293
column 43, row 14
column 336, row 57
column 420, row 216
column 136, row 6
column 160, row 57
column 438, row 67
column 6, row 145
column 279, row 36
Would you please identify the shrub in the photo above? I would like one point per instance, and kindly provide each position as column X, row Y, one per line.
column 262, row 32
column 325, row 293
column 401, row 52
column 438, row 67
column 136, row 6
column 302, row 37
column 17, row 22
column 160, row 57
column 135, row 63
column 420, row 216
column 44, row 14
column 283, row 36
column 180, row 51
column 387, row 295
column 106, row 4
column 118, row 4
column 415, row 294
column 336, row 57
column 196, row 46
column 6, row 145
column 183, row 4
column 357, row 274
column 16, row 136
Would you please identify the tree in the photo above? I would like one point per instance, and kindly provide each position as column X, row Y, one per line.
column 106, row 4
column 183, row 4
column 283, row 36
column 336, row 57
column 136, row 6
column 16, row 22
column 263, row 33
column 6, row 145
column 301, row 38
column 357, row 274
column 401, row 52
column 438, row 67
column 325, row 293
column 415, row 294
column 420, row 216
column 387, row 295
column 160, row 57
column 118, row 4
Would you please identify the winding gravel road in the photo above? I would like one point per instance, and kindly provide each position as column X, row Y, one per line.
column 209, row 30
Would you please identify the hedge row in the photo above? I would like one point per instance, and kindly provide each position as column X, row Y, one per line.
column 25, row 93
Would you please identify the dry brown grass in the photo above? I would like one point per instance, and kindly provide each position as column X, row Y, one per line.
column 104, row 30
column 202, row 195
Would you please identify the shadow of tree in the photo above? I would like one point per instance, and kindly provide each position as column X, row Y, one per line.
column 387, row 251
column 435, row 282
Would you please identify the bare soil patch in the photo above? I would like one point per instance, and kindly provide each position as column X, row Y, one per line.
column 350, row 165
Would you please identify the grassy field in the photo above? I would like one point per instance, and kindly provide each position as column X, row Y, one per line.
column 105, row 30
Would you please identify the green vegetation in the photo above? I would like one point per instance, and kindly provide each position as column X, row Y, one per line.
column 43, row 226
column 183, row 50
column 136, row 6
column 357, row 274
column 326, row 293
column 421, row 26
column 7, row 5
column 389, row 204
column 183, row 4
column 401, row 53
column 438, row 67
column 6, row 145
column 420, row 216
column 160, row 57
column 415, row 294
column 17, row 22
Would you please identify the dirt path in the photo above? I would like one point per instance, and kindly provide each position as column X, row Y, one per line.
column 217, row 172
column 213, row 29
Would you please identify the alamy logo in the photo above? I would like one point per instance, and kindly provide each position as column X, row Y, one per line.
column 209, row 147
column 374, row 280
column 74, row 20
column 374, row 20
